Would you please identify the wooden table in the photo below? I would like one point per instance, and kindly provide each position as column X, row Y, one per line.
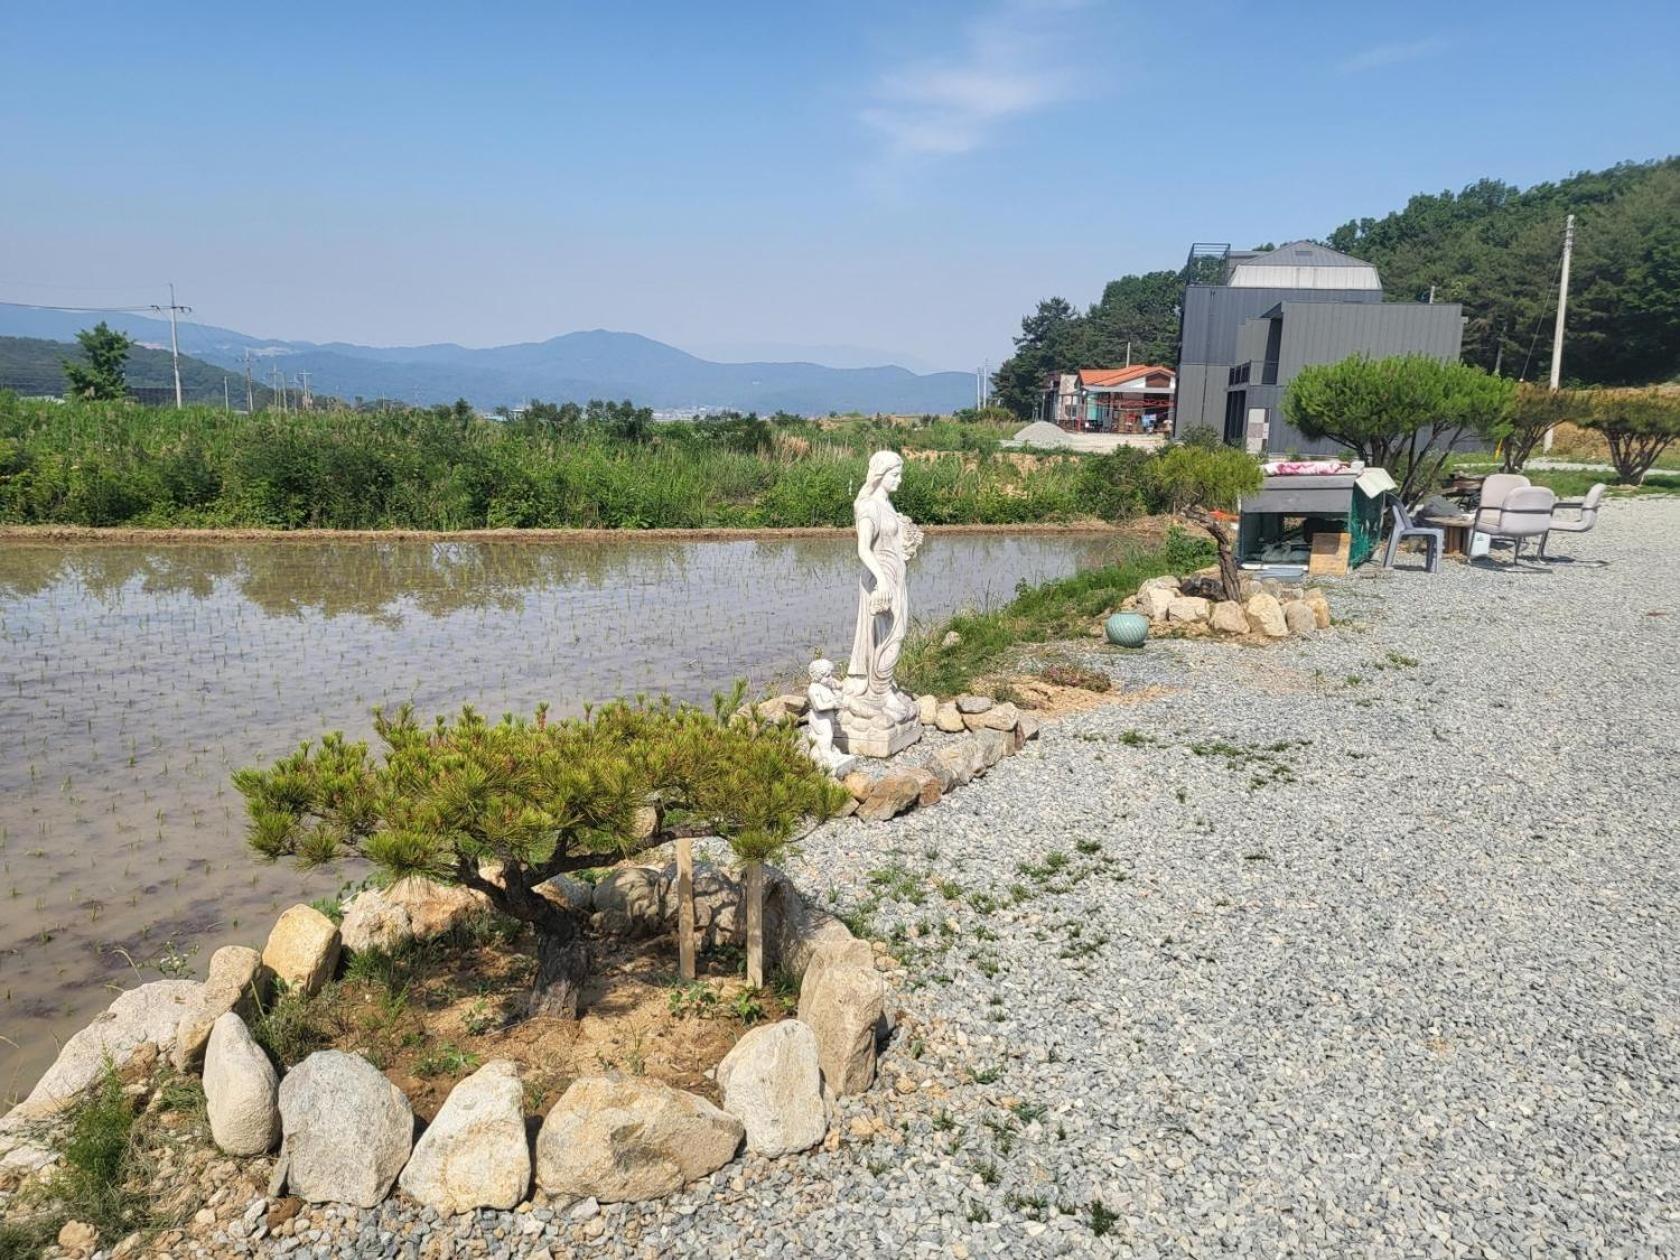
column 1455, row 532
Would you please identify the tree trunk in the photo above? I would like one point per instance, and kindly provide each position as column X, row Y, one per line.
column 562, row 967
column 755, row 924
column 1229, row 577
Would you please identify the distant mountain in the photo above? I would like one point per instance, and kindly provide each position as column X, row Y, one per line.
column 574, row 367
column 834, row 356
column 31, row 365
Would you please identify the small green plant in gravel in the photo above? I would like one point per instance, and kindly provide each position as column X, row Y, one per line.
column 695, row 998
column 290, row 1027
column 1101, row 1220
column 447, row 1059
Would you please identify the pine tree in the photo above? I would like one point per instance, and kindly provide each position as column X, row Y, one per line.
column 502, row 807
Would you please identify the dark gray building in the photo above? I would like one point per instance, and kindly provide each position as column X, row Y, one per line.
column 1262, row 317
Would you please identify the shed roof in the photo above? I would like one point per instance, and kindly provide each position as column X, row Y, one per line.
column 1111, row 377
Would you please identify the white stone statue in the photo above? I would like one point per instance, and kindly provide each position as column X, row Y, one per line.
column 824, row 703
column 879, row 719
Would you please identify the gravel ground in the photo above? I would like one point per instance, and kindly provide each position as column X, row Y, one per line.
column 1356, row 945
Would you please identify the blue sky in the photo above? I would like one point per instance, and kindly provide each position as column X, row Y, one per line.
column 731, row 177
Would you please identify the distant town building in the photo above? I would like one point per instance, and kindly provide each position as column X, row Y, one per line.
column 1253, row 319
column 1137, row 399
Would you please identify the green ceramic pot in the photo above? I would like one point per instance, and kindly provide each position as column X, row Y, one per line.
column 1127, row 629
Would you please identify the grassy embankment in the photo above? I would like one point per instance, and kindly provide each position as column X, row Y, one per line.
column 1062, row 609
column 100, row 464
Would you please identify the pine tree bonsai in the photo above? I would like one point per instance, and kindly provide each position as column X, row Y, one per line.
column 501, row 807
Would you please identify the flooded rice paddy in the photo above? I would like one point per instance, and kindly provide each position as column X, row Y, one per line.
column 135, row 679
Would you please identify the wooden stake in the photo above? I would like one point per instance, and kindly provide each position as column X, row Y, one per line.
column 755, row 925
column 685, row 907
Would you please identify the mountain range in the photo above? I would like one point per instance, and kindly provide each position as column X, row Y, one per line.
column 575, row 367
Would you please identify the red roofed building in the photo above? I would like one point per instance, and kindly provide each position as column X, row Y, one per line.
column 1136, row 399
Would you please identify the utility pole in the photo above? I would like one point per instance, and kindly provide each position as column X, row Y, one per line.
column 1128, row 352
column 227, row 402
column 174, row 344
column 250, row 394
column 1432, row 295
column 308, row 398
column 1563, row 306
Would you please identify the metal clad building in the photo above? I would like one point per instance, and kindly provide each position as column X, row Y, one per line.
column 1243, row 340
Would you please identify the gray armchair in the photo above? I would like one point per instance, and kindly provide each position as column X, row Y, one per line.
column 1588, row 509
column 1522, row 514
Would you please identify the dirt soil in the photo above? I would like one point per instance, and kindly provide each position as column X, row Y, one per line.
column 444, row 1009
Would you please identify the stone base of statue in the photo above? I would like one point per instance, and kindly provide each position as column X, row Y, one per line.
column 879, row 733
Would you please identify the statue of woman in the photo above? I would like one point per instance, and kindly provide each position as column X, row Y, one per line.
column 885, row 541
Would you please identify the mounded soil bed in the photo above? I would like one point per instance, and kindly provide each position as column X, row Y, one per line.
column 432, row 1013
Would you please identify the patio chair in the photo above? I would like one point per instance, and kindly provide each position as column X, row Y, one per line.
column 1495, row 487
column 1434, row 540
column 1588, row 509
column 1524, row 513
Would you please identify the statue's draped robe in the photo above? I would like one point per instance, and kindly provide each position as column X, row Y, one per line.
column 880, row 636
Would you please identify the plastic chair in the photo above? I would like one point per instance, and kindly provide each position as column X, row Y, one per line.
column 1523, row 514
column 1587, row 507
column 1495, row 487
column 1434, row 540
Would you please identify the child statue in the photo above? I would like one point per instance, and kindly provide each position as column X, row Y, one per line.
column 824, row 700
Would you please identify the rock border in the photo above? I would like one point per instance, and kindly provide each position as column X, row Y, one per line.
column 343, row 1128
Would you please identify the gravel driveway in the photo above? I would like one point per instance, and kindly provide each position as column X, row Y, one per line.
column 1409, row 986
column 1362, row 945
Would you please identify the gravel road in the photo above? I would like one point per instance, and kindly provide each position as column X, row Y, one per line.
column 1357, row 945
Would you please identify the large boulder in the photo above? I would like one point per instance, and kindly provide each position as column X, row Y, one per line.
column 1265, row 614
column 1188, row 608
column 1000, row 717
column 994, row 746
column 240, row 1089
column 1154, row 601
column 1228, row 617
column 720, row 905
column 793, row 928
column 629, row 902
column 346, row 1130
column 961, row 760
column 842, row 1000
column 139, row 1019
column 474, row 1154
column 373, row 921
column 235, row 983
column 1320, row 604
column 1298, row 617
column 772, row 1081
column 627, row 1140
column 302, row 950
column 891, row 794
column 435, row 908
column 567, row 893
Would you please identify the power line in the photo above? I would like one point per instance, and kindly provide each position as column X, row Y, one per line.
column 89, row 310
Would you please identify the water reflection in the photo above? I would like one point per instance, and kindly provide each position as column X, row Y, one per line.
column 134, row 680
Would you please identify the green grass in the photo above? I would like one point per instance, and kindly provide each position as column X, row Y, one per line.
column 105, row 464
column 102, row 1171
column 1042, row 614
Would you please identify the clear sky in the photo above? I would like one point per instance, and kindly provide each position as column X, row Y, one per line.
column 905, row 177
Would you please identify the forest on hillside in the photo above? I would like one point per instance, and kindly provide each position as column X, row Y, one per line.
column 1493, row 247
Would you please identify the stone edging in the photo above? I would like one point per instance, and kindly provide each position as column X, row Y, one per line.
column 346, row 1132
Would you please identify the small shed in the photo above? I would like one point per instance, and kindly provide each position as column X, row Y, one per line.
column 1302, row 499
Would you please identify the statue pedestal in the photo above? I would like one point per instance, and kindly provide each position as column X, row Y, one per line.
column 878, row 735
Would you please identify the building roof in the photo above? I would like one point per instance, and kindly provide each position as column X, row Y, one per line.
column 1110, row 377
column 1302, row 265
